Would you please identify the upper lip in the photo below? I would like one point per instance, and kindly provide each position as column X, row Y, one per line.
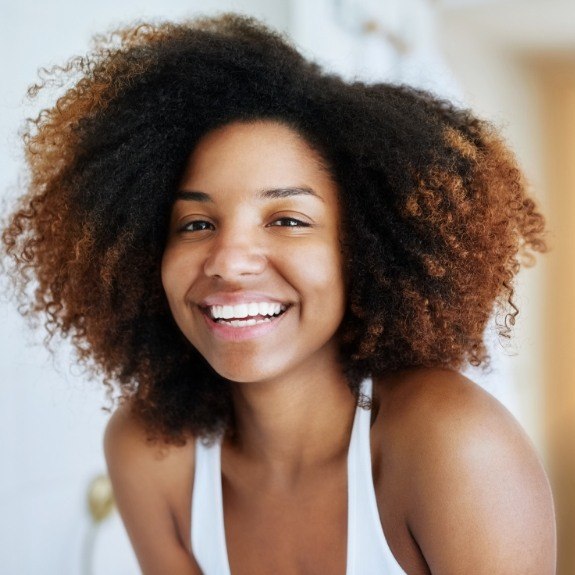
column 231, row 298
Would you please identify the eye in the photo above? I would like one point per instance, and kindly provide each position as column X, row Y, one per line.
column 289, row 223
column 196, row 226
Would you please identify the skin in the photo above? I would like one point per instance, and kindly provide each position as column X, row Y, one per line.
column 458, row 485
column 248, row 244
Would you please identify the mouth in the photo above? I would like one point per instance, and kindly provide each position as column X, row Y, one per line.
column 243, row 316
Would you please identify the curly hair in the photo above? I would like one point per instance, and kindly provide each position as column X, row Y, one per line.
column 436, row 216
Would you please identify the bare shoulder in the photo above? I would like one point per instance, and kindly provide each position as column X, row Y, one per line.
column 129, row 452
column 428, row 409
column 478, row 499
column 152, row 485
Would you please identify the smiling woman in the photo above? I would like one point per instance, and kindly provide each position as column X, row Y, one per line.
column 282, row 273
column 265, row 233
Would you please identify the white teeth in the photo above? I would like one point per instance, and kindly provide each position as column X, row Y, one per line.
column 246, row 322
column 246, row 309
column 241, row 310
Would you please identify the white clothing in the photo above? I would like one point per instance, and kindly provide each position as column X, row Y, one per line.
column 367, row 550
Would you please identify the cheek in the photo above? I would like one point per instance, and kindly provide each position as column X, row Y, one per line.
column 165, row 272
column 321, row 271
column 173, row 274
column 336, row 282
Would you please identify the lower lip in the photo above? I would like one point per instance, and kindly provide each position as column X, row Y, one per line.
column 229, row 333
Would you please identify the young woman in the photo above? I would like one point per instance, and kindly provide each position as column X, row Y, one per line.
column 283, row 272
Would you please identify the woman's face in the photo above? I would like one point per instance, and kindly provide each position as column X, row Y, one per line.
column 252, row 267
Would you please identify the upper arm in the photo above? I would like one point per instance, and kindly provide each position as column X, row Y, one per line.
column 141, row 477
column 481, row 502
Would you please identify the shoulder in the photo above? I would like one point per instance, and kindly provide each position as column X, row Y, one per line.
column 422, row 400
column 130, row 451
column 152, row 485
column 477, row 497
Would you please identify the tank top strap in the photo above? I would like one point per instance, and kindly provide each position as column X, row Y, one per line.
column 208, row 532
column 368, row 552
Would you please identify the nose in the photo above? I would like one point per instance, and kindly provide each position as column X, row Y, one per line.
column 234, row 255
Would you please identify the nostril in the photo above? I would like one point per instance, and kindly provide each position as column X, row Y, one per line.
column 234, row 262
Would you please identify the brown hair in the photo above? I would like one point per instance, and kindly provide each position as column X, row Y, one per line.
column 437, row 219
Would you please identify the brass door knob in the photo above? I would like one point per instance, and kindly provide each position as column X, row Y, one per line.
column 100, row 498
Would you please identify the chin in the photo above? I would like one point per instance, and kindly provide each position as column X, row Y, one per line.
column 245, row 374
column 244, row 377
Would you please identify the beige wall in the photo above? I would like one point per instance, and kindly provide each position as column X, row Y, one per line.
column 557, row 81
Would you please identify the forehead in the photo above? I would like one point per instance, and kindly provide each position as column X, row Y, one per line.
column 255, row 155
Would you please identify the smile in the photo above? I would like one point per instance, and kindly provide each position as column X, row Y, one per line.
column 258, row 311
column 244, row 321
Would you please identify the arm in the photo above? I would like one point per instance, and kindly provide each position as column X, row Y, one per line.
column 141, row 477
column 481, row 502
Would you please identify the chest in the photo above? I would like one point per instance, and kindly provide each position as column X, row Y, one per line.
column 303, row 532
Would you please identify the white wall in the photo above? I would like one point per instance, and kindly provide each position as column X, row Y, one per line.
column 331, row 32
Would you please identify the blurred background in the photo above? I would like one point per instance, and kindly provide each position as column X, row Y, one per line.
column 512, row 61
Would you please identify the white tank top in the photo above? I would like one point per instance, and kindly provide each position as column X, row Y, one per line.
column 367, row 550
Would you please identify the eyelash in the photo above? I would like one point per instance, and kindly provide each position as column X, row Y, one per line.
column 185, row 228
column 300, row 224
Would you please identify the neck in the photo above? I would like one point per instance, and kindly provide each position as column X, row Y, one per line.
column 299, row 423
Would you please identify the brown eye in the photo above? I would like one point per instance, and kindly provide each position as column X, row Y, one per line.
column 196, row 226
column 290, row 223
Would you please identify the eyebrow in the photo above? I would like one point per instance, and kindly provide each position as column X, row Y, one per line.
column 266, row 194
